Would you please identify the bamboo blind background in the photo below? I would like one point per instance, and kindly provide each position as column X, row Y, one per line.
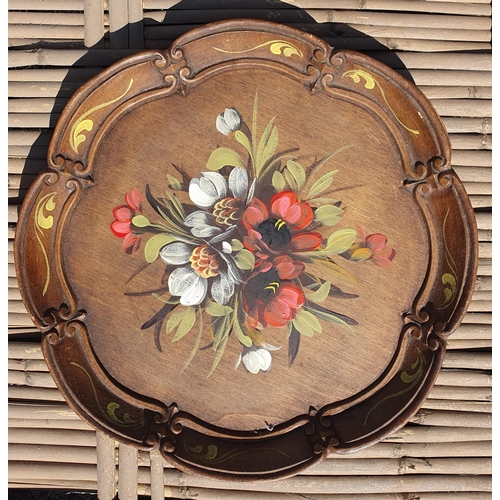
column 445, row 451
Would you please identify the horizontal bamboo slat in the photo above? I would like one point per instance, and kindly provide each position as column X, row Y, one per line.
column 24, row 393
column 30, row 423
column 470, row 344
column 45, row 18
column 341, row 484
column 320, row 484
column 52, row 453
column 478, row 360
column 46, row 5
column 214, row 494
column 59, row 437
column 460, row 406
column 451, row 418
column 19, row 471
column 462, row 393
column 56, row 484
column 41, row 32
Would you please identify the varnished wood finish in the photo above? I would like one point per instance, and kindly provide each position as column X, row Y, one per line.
column 154, row 115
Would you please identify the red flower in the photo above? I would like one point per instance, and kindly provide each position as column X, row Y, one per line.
column 269, row 300
column 285, row 206
column 122, row 225
column 277, row 231
column 374, row 247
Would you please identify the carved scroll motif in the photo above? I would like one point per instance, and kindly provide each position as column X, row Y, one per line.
column 173, row 66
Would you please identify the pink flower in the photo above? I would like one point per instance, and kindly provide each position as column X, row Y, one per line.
column 374, row 247
column 122, row 225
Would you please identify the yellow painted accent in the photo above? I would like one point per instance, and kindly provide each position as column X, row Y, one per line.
column 277, row 47
column 407, row 378
column 371, row 83
column 111, row 407
column 279, row 224
column 44, row 222
column 448, row 279
column 111, row 410
column 274, row 285
column 76, row 133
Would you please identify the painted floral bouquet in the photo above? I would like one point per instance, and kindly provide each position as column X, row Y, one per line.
column 247, row 254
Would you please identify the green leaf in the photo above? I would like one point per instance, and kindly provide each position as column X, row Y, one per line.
column 321, row 293
column 173, row 182
column 263, row 144
column 332, row 318
column 243, row 140
column 155, row 244
column 278, row 181
column 177, row 205
column 221, row 327
column 306, row 323
column 216, row 309
column 270, row 147
column 244, row 259
column 186, row 323
column 174, row 318
column 140, row 221
column 242, row 337
column 321, row 184
column 337, row 273
column 290, row 179
column 218, row 356
column 340, row 241
column 236, row 245
column 221, row 157
column 197, row 343
column 330, row 155
column 328, row 215
column 298, row 173
column 322, row 201
column 254, row 117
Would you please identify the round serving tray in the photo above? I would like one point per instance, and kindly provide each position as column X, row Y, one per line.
column 247, row 250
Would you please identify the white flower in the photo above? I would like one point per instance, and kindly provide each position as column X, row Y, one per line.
column 212, row 187
column 190, row 286
column 202, row 224
column 209, row 188
column 200, row 271
column 229, row 121
column 257, row 358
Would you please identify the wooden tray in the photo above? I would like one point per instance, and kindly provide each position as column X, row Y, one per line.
column 247, row 250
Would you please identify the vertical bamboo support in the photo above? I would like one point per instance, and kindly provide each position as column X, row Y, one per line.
column 118, row 24
column 94, row 23
column 156, row 465
column 135, row 24
column 127, row 472
column 106, row 475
